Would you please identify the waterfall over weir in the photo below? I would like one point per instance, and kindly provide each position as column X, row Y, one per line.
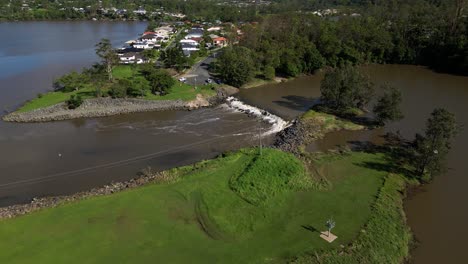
column 276, row 122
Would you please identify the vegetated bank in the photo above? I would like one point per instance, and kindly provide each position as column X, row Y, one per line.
column 134, row 89
column 247, row 206
column 254, row 205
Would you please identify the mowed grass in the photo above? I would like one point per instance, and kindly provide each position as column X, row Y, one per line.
column 201, row 218
column 180, row 91
column 329, row 122
column 53, row 98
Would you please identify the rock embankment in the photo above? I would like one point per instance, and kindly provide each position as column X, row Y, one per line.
column 100, row 107
column 49, row 202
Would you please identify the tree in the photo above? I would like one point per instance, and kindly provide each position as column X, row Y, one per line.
column 119, row 89
column 108, row 57
column 150, row 54
column 330, row 224
column 71, row 82
column 138, row 88
column 174, row 57
column 75, row 101
column 236, row 66
column 431, row 149
column 160, row 82
column 388, row 105
column 345, row 88
column 269, row 73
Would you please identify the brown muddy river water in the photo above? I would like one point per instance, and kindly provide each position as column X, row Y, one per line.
column 70, row 156
column 438, row 214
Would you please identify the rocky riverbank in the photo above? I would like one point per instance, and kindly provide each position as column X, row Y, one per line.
column 309, row 127
column 50, row 202
column 100, row 107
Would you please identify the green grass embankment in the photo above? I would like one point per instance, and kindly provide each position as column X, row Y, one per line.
column 241, row 208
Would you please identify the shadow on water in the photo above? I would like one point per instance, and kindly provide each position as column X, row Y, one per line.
column 298, row 103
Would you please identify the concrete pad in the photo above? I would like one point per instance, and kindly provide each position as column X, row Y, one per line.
column 329, row 238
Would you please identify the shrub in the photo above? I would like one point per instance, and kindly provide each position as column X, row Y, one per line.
column 120, row 88
column 75, row 101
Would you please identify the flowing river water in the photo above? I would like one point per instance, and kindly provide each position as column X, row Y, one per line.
column 65, row 157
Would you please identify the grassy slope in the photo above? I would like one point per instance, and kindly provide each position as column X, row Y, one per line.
column 180, row 91
column 386, row 237
column 199, row 219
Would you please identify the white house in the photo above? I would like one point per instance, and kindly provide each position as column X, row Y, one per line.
column 189, row 41
column 127, row 58
column 195, row 33
column 142, row 45
column 214, row 29
column 149, row 38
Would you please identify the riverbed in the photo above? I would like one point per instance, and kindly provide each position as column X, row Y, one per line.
column 69, row 156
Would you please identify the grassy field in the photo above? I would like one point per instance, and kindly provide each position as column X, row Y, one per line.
column 179, row 91
column 241, row 208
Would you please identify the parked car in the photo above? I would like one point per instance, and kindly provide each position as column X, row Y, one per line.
column 208, row 81
column 183, row 79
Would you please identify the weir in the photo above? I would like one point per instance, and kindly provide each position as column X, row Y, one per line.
column 277, row 123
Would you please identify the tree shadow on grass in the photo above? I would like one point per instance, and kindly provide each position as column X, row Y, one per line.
column 396, row 155
column 310, row 228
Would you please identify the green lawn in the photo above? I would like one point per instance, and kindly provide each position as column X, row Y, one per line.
column 53, row 98
column 220, row 211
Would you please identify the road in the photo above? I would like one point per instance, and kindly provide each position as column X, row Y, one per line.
column 199, row 73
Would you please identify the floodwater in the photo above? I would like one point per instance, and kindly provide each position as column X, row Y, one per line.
column 437, row 214
column 69, row 156
column 45, row 159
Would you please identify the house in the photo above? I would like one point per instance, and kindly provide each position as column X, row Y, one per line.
column 149, row 38
column 143, row 45
column 189, row 41
column 195, row 33
column 140, row 11
column 214, row 29
column 189, row 47
column 127, row 58
column 220, row 41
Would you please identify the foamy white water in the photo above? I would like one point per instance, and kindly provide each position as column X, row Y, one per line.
column 276, row 122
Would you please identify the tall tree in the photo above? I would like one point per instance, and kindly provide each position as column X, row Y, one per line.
column 431, row 149
column 108, row 56
column 236, row 66
column 345, row 88
column 388, row 105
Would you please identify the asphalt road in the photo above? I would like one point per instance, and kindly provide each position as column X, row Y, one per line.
column 199, row 73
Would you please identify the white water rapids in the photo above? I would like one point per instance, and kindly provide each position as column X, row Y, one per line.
column 276, row 122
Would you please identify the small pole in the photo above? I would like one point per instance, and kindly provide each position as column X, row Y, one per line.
column 260, row 137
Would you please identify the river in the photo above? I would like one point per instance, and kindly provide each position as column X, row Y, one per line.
column 437, row 214
column 65, row 157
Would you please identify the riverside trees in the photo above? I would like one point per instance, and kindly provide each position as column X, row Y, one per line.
column 388, row 105
column 108, row 56
column 431, row 149
column 345, row 89
column 236, row 66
